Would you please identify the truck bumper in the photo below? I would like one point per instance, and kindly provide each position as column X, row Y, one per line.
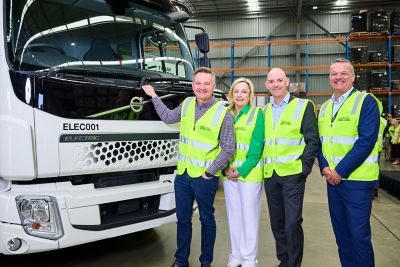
column 83, row 211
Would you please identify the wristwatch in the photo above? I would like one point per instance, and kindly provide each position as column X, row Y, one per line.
column 208, row 175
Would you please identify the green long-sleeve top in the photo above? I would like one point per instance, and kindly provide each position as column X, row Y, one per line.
column 256, row 144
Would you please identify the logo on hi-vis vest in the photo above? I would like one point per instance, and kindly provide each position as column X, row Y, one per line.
column 240, row 128
column 205, row 128
column 286, row 123
column 343, row 119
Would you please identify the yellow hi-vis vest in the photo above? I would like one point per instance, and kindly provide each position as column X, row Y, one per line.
column 395, row 135
column 244, row 128
column 382, row 126
column 284, row 144
column 338, row 139
column 199, row 142
column 390, row 132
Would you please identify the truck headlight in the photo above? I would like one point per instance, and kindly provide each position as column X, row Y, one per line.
column 40, row 216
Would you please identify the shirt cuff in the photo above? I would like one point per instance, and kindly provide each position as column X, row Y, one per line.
column 209, row 175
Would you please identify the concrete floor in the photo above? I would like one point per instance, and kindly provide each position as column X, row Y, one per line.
column 156, row 247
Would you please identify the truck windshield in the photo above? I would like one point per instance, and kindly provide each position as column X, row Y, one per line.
column 44, row 34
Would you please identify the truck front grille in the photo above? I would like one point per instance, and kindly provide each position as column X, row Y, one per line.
column 131, row 153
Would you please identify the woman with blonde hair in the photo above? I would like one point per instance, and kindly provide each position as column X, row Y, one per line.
column 244, row 175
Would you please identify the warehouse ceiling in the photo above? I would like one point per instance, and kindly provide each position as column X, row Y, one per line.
column 202, row 8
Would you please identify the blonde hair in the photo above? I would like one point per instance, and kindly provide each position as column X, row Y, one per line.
column 241, row 80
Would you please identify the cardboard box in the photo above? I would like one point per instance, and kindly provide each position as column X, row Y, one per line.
column 297, row 87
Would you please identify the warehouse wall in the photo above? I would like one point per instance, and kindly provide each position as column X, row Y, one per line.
column 279, row 27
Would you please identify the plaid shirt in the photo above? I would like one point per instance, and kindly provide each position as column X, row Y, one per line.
column 227, row 138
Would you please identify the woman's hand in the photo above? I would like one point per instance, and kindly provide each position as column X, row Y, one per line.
column 232, row 174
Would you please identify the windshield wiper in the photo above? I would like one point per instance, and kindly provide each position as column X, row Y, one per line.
column 136, row 105
column 100, row 77
column 54, row 71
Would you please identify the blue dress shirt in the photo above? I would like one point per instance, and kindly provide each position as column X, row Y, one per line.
column 278, row 109
column 339, row 103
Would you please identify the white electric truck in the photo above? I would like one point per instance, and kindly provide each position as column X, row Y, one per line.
column 83, row 154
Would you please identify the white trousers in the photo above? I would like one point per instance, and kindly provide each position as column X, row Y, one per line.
column 243, row 203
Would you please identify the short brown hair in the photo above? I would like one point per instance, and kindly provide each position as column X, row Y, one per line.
column 344, row 60
column 205, row 70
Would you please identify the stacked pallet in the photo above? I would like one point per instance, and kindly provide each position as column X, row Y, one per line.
column 362, row 80
column 379, row 80
column 395, row 22
column 379, row 22
column 378, row 56
column 396, row 53
column 359, row 55
column 359, row 22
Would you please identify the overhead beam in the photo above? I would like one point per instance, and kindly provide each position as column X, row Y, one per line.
column 323, row 29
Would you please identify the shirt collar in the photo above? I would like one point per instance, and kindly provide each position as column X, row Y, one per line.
column 342, row 97
column 245, row 110
column 208, row 104
column 285, row 100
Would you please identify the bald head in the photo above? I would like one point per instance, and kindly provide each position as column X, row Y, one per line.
column 276, row 71
column 277, row 83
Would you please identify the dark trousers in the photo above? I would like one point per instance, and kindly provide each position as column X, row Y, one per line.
column 202, row 190
column 350, row 211
column 285, row 203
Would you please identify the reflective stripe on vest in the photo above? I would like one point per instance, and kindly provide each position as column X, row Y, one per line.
column 323, row 109
column 195, row 143
column 199, row 163
column 281, row 159
column 370, row 159
column 251, row 117
column 186, row 106
column 358, row 99
column 218, row 114
column 286, row 142
column 242, row 146
column 339, row 140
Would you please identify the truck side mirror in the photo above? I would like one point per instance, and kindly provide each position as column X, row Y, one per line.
column 178, row 16
column 202, row 42
column 205, row 62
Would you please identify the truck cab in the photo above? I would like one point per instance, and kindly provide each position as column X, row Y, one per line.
column 83, row 154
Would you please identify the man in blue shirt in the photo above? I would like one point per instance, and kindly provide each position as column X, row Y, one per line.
column 290, row 124
column 350, row 197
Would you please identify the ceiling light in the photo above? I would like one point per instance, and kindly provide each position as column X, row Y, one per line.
column 253, row 5
column 341, row 2
column 314, row 7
